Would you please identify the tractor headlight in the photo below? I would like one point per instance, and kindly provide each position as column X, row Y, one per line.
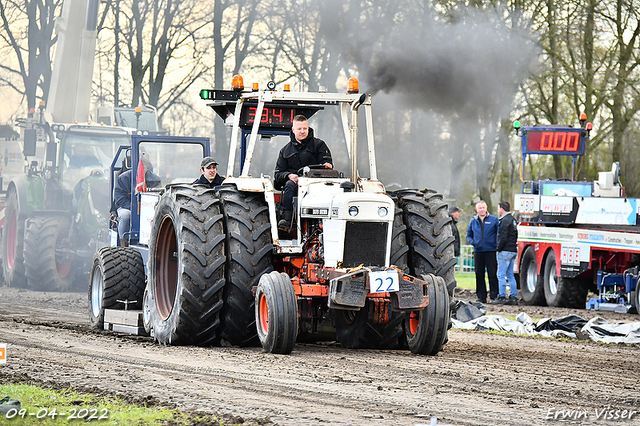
column 353, row 211
column 383, row 211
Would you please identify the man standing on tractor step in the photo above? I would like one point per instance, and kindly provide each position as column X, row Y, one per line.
column 482, row 234
column 302, row 150
column 209, row 176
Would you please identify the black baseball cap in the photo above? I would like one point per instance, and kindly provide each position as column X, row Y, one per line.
column 207, row 161
column 454, row 209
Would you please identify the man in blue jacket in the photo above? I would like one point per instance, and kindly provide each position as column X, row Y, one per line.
column 482, row 235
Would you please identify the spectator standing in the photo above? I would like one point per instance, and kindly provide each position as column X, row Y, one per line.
column 454, row 213
column 506, row 253
column 482, row 235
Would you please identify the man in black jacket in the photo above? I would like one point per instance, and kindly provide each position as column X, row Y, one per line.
column 454, row 213
column 209, row 176
column 302, row 150
column 506, row 254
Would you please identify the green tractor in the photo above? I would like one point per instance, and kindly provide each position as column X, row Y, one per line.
column 56, row 209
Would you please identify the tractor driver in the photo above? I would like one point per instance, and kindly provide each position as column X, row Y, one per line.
column 122, row 194
column 302, row 150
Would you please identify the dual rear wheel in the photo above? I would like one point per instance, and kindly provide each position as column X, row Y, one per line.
column 549, row 288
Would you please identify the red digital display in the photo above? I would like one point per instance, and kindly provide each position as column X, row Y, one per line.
column 271, row 116
column 560, row 142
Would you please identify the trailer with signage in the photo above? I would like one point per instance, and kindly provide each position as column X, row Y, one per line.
column 575, row 237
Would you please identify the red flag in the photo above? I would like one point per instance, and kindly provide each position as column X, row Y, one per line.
column 141, row 185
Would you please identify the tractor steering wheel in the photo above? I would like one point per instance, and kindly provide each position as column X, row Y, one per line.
column 312, row 166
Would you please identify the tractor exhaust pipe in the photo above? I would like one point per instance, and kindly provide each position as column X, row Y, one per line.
column 353, row 146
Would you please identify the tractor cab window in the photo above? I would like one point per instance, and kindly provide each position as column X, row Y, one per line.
column 172, row 162
column 85, row 155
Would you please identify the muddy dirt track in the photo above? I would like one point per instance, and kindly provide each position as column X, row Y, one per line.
column 479, row 378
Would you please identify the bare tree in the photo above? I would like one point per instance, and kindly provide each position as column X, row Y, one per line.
column 28, row 35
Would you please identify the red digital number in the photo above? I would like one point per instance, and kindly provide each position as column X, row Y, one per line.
column 555, row 141
column 271, row 115
column 277, row 113
column 573, row 141
column 252, row 114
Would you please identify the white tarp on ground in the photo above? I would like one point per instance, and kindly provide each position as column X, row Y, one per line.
column 571, row 326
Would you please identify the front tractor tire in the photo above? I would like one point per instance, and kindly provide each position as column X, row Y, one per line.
column 13, row 243
column 249, row 256
column 276, row 313
column 426, row 331
column 117, row 273
column 186, row 267
column 47, row 265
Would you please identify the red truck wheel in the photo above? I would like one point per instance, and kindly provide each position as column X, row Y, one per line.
column 531, row 285
column 562, row 291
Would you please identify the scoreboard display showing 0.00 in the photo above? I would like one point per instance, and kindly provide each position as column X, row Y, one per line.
column 554, row 141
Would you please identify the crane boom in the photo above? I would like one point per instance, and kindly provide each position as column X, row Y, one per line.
column 70, row 92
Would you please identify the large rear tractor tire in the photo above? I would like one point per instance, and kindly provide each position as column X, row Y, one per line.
column 186, row 266
column 531, row 285
column 249, row 256
column 13, row 243
column 428, row 234
column 48, row 266
column 117, row 274
column 426, row 330
column 427, row 229
column 561, row 291
column 276, row 313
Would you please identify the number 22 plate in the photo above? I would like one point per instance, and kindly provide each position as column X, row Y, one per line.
column 382, row 281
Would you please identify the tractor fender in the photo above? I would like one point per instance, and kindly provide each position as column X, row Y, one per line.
column 262, row 184
column 250, row 184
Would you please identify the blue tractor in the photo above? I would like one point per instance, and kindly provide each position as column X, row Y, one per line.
column 118, row 272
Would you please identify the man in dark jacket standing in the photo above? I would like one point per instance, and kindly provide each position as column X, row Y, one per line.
column 482, row 234
column 302, row 150
column 454, row 213
column 507, row 252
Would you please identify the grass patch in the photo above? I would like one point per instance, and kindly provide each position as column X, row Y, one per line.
column 63, row 407
column 466, row 280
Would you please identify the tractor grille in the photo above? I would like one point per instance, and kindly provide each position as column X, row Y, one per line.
column 365, row 243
